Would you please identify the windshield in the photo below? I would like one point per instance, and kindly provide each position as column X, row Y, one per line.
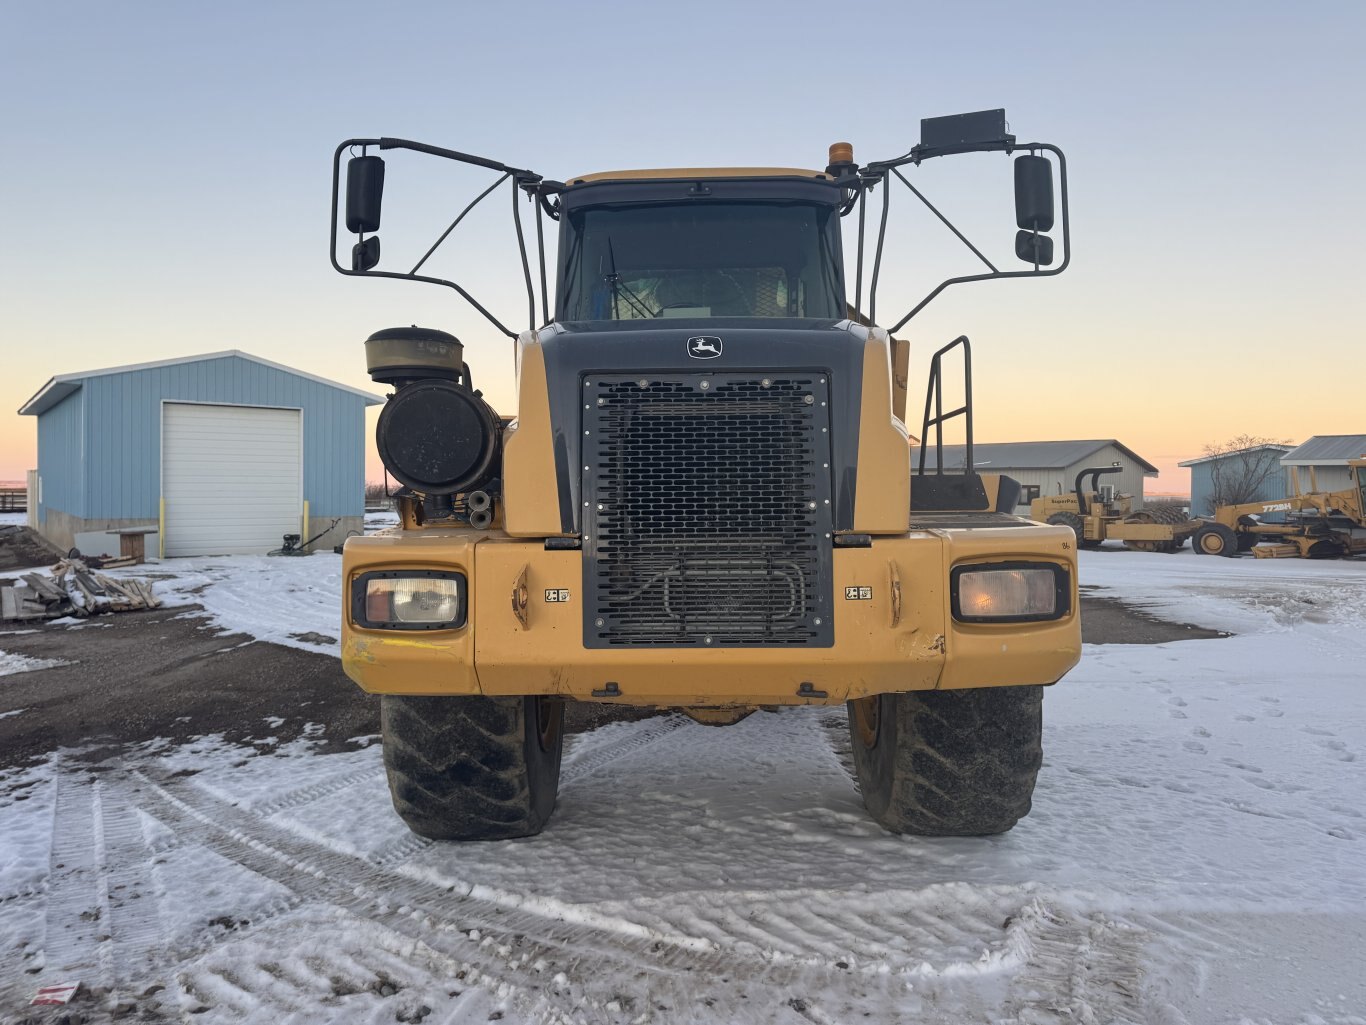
column 701, row 259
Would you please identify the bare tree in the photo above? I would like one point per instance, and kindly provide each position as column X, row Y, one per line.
column 375, row 496
column 1241, row 466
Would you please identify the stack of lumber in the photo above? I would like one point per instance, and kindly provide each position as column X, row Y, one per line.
column 73, row 590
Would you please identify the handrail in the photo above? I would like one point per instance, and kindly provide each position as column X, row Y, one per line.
column 934, row 394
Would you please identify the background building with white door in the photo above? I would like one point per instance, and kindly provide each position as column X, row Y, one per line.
column 223, row 454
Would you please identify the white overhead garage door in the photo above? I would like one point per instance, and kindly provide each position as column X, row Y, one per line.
column 232, row 477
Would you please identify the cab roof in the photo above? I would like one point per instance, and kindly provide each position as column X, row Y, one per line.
column 674, row 173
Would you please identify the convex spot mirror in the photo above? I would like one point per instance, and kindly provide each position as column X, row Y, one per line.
column 365, row 255
column 1029, row 247
column 365, row 190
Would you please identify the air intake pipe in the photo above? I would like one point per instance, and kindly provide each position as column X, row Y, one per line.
column 436, row 434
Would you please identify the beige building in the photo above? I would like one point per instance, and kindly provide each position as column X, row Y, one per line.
column 1326, row 456
column 1049, row 467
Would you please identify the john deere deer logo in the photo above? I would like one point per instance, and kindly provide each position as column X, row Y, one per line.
column 704, row 347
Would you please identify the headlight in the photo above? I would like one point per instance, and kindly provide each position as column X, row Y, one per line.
column 409, row 600
column 1010, row 592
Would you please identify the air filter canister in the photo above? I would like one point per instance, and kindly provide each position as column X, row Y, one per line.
column 438, row 437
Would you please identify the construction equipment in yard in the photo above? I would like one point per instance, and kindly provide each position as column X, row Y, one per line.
column 705, row 500
column 1095, row 513
column 1323, row 524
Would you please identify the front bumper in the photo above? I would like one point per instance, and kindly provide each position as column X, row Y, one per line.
column 900, row 637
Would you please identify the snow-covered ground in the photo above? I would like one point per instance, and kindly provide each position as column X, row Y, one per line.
column 13, row 519
column 1195, row 853
column 289, row 600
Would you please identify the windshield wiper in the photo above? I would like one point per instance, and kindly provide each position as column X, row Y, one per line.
column 620, row 289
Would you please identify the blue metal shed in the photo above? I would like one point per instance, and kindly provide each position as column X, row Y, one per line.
column 1263, row 461
column 252, row 449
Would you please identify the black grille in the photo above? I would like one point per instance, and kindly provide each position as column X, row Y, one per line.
column 707, row 510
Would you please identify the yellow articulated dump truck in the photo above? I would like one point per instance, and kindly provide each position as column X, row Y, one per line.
column 703, row 499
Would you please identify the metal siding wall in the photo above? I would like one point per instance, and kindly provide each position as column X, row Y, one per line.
column 59, row 456
column 1330, row 478
column 1042, row 479
column 1202, row 488
column 123, row 432
column 1130, row 480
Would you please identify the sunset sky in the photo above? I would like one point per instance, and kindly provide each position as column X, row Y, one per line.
column 167, row 183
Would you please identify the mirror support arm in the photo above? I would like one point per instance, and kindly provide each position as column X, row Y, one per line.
column 459, row 217
column 526, row 267
column 540, row 252
column 521, row 179
column 877, row 254
column 913, row 158
column 946, row 222
column 858, row 275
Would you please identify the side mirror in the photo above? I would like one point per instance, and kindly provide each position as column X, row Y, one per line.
column 1033, row 193
column 365, row 255
column 1029, row 247
column 365, row 190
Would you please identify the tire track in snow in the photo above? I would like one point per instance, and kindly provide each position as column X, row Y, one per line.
column 396, row 852
column 312, row 792
column 576, row 768
column 132, row 896
column 325, row 880
column 592, row 955
column 767, row 947
column 103, row 912
column 78, row 934
column 1076, row 969
column 567, row 963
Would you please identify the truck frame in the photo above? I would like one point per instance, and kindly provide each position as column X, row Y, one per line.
column 704, row 499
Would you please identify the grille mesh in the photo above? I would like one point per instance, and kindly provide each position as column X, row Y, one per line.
column 708, row 511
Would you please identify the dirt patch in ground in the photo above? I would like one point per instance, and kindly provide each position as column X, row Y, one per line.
column 137, row 676
column 23, row 549
column 1110, row 621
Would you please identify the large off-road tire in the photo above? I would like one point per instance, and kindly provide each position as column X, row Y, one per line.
column 951, row 762
column 1215, row 539
column 1078, row 525
column 473, row 768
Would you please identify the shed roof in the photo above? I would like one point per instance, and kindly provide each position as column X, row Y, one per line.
column 1327, row 450
column 1032, row 455
column 1236, row 452
column 62, row 385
